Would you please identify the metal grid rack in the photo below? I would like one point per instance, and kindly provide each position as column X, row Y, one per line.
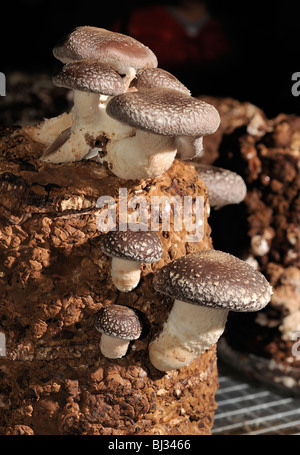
column 248, row 407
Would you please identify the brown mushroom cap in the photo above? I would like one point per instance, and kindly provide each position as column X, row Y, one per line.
column 224, row 187
column 90, row 76
column 115, row 49
column 139, row 246
column 158, row 78
column 164, row 111
column 118, row 321
column 214, row 279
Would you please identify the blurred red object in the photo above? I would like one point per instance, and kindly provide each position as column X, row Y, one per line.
column 178, row 43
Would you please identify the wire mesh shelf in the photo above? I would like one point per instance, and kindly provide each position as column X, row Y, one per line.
column 248, row 407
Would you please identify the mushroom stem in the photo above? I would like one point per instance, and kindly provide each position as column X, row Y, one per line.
column 129, row 76
column 90, row 121
column 125, row 273
column 189, row 147
column 141, row 156
column 86, row 106
column 48, row 130
column 113, row 347
column 189, row 331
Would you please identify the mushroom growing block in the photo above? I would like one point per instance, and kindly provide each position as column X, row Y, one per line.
column 205, row 285
column 55, row 278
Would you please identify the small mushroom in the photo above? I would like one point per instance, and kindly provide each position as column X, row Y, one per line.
column 128, row 249
column 224, row 186
column 206, row 286
column 119, row 325
column 148, row 78
column 89, row 80
column 164, row 114
column 187, row 147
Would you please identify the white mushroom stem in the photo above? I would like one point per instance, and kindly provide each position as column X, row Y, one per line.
column 129, row 76
column 90, row 121
column 48, row 130
column 189, row 331
column 189, row 147
column 125, row 274
column 142, row 155
column 113, row 347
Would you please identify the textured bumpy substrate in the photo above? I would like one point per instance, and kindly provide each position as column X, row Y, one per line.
column 54, row 278
column 265, row 230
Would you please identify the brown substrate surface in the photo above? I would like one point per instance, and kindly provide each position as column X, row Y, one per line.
column 265, row 228
column 54, row 278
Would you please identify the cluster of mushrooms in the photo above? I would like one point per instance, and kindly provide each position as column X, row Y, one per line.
column 135, row 118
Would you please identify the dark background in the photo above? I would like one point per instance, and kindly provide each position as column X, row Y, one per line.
column 263, row 35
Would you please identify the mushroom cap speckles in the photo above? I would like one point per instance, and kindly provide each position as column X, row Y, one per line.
column 118, row 321
column 164, row 111
column 158, row 78
column 139, row 246
column 214, row 279
column 224, row 187
column 90, row 76
column 115, row 49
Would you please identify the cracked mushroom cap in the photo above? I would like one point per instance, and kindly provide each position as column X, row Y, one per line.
column 214, row 279
column 90, row 76
column 164, row 111
column 118, row 321
column 139, row 246
column 224, row 187
column 114, row 49
column 158, row 78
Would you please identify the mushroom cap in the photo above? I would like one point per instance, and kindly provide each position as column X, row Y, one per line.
column 115, row 49
column 90, row 76
column 214, row 279
column 158, row 78
column 118, row 321
column 164, row 111
column 139, row 246
column 224, row 186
